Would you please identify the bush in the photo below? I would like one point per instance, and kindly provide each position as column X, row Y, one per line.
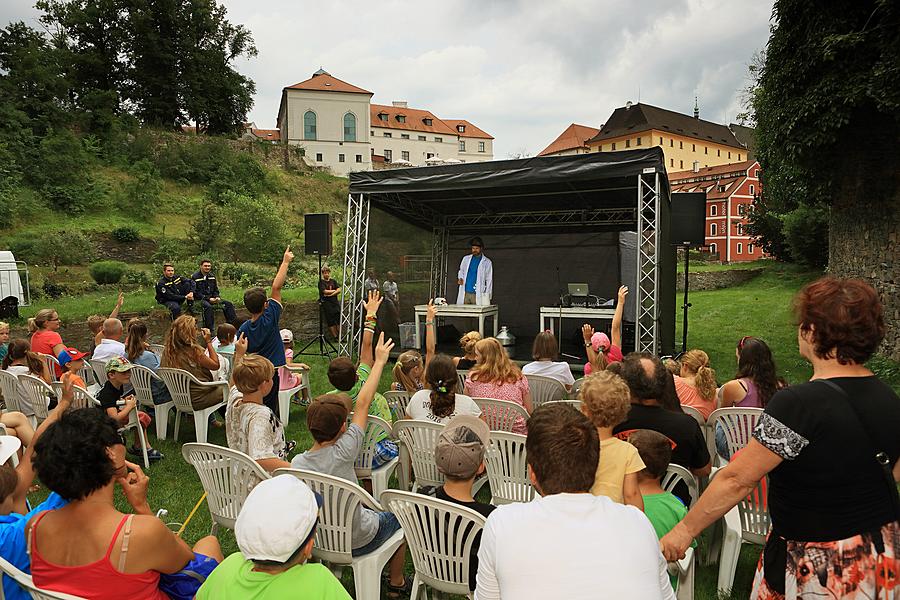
column 62, row 247
column 806, row 235
column 257, row 227
column 137, row 277
column 170, row 250
column 125, row 235
column 142, row 194
column 108, row 271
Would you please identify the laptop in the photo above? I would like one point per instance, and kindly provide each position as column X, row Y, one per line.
column 578, row 289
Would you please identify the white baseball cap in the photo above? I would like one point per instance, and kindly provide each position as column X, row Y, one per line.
column 9, row 445
column 277, row 517
column 287, row 336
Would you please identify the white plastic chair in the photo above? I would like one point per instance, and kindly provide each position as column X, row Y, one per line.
column 37, row 394
column 500, row 415
column 375, row 429
column 748, row 522
column 227, row 477
column 684, row 570
column 462, row 380
column 507, row 469
column 99, row 368
column 738, row 424
column 419, row 438
column 544, row 389
column 576, row 387
column 142, row 379
column 9, row 387
column 284, row 396
column 14, row 461
column 576, row 404
column 439, row 535
column 397, row 401
column 179, row 381
column 676, row 474
column 25, row 582
column 90, row 380
column 334, row 541
column 82, row 397
column 52, row 364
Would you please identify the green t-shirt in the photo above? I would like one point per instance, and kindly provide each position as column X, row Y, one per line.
column 235, row 579
column 665, row 511
column 379, row 407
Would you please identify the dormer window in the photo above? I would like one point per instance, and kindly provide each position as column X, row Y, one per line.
column 382, row 116
column 461, row 128
column 401, row 118
column 428, row 121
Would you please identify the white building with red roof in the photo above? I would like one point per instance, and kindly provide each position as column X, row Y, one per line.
column 571, row 141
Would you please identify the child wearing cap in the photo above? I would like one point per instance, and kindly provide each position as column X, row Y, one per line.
column 606, row 400
column 335, row 450
column 275, row 532
column 287, row 378
column 602, row 351
column 118, row 375
column 459, row 455
column 71, row 361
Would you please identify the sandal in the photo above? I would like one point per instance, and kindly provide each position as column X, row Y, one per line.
column 398, row 591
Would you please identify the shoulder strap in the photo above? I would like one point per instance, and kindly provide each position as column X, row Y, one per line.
column 33, row 528
column 124, row 550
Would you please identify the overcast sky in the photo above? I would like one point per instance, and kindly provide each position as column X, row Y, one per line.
column 521, row 70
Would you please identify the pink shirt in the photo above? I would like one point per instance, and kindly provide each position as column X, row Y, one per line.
column 286, row 378
column 43, row 341
column 613, row 355
column 688, row 395
column 514, row 392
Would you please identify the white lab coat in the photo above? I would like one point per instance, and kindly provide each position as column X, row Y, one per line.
column 484, row 284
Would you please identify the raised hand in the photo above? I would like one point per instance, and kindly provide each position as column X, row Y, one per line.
column 373, row 303
column 241, row 343
column 121, row 299
column 207, row 335
column 383, row 349
column 623, row 291
column 432, row 311
column 587, row 332
column 288, row 255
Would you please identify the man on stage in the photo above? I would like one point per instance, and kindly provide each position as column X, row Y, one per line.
column 475, row 277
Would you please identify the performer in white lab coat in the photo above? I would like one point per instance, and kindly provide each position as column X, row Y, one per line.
column 475, row 277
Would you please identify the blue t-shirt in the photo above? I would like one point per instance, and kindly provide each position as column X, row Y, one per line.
column 472, row 274
column 13, row 546
column 263, row 335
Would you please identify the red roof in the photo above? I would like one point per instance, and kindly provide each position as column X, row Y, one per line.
column 272, row 135
column 471, row 130
column 741, row 167
column 575, row 136
column 413, row 119
column 324, row 82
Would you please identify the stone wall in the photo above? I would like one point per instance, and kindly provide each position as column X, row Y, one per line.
column 699, row 281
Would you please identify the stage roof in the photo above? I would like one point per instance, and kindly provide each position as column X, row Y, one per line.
column 597, row 191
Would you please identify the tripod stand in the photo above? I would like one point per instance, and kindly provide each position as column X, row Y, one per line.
column 685, row 305
column 326, row 348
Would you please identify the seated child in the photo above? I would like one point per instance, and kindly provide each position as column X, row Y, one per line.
column 334, row 452
column 118, row 375
column 71, row 361
column 606, row 400
column 225, row 335
column 409, row 372
column 4, row 339
column 288, row 378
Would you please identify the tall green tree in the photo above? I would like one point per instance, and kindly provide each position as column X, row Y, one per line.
column 156, row 58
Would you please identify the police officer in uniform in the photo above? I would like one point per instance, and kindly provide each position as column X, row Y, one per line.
column 172, row 291
column 206, row 290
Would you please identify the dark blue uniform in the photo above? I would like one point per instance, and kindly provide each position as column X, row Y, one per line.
column 171, row 292
column 206, row 287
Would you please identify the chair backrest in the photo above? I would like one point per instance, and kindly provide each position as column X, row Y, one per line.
column 500, row 415
column 87, row 374
column 576, row 404
column 420, row 438
column 24, row 581
column 544, row 389
column 754, row 511
column 227, row 477
column 507, row 469
column 698, row 416
column 462, row 381
column 178, row 382
column 339, row 501
column 738, row 424
column 141, row 380
column 9, row 387
column 440, row 536
column 676, row 474
column 82, row 397
column 52, row 364
column 397, row 401
column 376, row 428
column 37, row 393
column 576, row 387
column 99, row 368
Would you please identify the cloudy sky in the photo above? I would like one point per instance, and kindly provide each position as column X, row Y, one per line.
column 522, row 70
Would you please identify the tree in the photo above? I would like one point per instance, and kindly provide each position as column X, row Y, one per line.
column 156, row 80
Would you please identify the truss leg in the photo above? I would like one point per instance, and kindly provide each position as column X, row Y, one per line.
column 439, row 242
column 646, row 326
column 355, row 247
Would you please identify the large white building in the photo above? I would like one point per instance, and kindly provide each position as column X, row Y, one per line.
column 338, row 127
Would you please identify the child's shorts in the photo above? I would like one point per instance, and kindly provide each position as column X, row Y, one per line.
column 184, row 584
column 144, row 419
column 385, row 451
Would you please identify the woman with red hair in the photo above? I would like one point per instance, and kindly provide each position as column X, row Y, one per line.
column 830, row 448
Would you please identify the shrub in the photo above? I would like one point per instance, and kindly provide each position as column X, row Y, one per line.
column 125, row 234
column 142, row 193
column 806, row 235
column 257, row 227
column 137, row 277
column 108, row 271
column 62, row 247
column 170, row 249
column 53, row 289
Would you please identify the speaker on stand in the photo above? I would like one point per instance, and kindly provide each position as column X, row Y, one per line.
column 317, row 240
column 687, row 230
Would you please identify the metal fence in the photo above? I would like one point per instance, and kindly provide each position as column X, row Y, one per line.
column 416, row 268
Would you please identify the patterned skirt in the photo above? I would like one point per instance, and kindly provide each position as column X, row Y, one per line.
column 856, row 568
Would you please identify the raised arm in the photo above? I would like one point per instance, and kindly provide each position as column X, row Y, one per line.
column 281, row 275
column 240, row 349
column 617, row 317
column 372, row 304
column 209, row 359
column 587, row 332
column 430, row 333
column 367, row 393
column 115, row 311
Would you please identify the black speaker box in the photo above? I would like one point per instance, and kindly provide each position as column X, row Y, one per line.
column 688, row 224
column 317, row 232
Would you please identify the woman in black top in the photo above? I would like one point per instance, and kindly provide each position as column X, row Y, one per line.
column 328, row 298
column 833, row 507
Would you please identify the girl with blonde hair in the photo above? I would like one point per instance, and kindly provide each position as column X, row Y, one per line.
column 45, row 338
column 696, row 384
column 496, row 376
column 467, row 344
column 181, row 351
column 409, row 370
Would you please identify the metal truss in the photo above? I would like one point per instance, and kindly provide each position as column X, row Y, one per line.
column 440, row 240
column 647, row 322
column 544, row 219
column 355, row 246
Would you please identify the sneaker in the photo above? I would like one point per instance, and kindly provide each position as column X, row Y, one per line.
column 154, row 454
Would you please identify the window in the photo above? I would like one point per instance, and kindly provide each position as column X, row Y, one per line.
column 461, row 128
column 638, row 142
column 359, row 158
column 742, row 209
column 713, row 249
column 404, row 136
column 318, row 157
column 705, row 150
column 672, row 162
column 387, row 134
column 756, row 173
column 421, row 138
column 739, row 228
column 740, row 248
column 429, row 155
column 382, row 116
column 729, row 154
column 681, row 164
column 713, row 230
column 404, row 155
column 372, row 133
column 341, row 158
column 388, row 155
column 713, row 210
column 718, row 153
column 309, row 125
column 481, row 146
column 462, row 145
column 428, row 121
column 752, row 190
column 628, row 143
column 720, row 188
column 739, row 156
column 613, row 145
column 349, row 127
column 439, row 140
column 693, row 147
column 401, row 118
column 660, row 140
column 749, row 248
column 671, row 142
column 681, row 145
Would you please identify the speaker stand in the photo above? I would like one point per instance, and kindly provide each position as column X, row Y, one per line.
column 685, row 305
column 326, row 348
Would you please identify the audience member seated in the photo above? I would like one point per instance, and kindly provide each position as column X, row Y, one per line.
column 459, row 455
column 118, row 375
column 696, row 383
column 71, row 361
column 110, row 346
column 663, row 508
column 206, row 291
column 545, row 351
column 4, row 339
column 467, row 345
column 440, row 403
column 335, row 450
column 137, row 350
column 20, row 360
column 181, row 351
column 14, row 509
column 174, row 290
column 602, row 351
column 605, row 401
column 409, row 371
column 275, row 533
column 87, row 547
column 250, row 427
column 45, row 338
column 287, row 378
column 589, row 546
column 95, row 322
column 225, row 336
column 496, row 376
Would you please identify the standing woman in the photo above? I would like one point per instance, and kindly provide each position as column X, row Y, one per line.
column 496, row 376
column 45, row 338
column 830, row 448
column 329, row 290
column 181, row 351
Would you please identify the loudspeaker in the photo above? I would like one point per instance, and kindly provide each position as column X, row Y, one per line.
column 688, row 222
column 317, row 233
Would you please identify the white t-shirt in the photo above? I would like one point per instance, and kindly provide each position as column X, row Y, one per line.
column 108, row 349
column 419, row 407
column 559, row 371
column 596, row 548
column 253, row 428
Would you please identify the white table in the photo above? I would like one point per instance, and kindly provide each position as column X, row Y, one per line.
column 584, row 314
column 473, row 311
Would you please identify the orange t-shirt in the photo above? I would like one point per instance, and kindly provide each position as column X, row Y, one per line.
column 688, row 395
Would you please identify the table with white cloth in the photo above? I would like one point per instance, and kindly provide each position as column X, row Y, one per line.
column 472, row 311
